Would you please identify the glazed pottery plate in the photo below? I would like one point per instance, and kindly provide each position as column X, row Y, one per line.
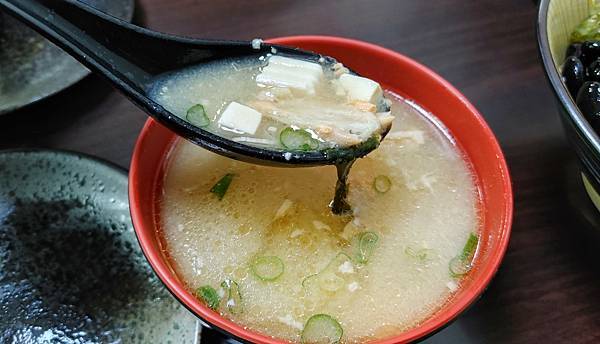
column 31, row 68
column 71, row 269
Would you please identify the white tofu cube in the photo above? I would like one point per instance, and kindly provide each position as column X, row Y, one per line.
column 307, row 67
column 282, row 79
column 241, row 118
column 362, row 89
column 291, row 73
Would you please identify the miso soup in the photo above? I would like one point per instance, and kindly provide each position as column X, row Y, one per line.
column 260, row 245
column 277, row 102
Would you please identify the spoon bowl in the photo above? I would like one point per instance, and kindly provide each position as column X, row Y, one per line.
column 131, row 57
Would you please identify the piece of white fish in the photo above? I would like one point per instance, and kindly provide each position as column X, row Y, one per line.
column 344, row 124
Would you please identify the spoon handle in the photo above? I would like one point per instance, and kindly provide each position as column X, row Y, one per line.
column 128, row 55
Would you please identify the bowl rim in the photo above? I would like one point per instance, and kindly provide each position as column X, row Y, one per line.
column 555, row 79
column 422, row 331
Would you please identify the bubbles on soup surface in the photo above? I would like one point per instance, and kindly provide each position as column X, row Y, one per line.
column 376, row 273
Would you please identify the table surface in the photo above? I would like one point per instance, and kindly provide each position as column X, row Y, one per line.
column 547, row 289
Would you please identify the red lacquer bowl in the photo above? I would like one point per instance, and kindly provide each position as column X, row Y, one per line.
column 396, row 73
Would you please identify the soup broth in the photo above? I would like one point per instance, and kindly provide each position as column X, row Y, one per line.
column 277, row 102
column 272, row 237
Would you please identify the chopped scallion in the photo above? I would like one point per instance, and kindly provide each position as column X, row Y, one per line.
column 197, row 116
column 308, row 280
column 329, row 281
column 298, row 140
column 209, row 296
column 220, row 188
column 459, row 266
column 234, row 297
column 382, row 184
column 423, row 255
column 462, row 263
column 267, row 268
column 470, row 246
column 367, row 241
column 332, row 278
column 321, row 328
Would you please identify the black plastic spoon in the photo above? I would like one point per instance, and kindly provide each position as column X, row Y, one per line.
column 130, row 57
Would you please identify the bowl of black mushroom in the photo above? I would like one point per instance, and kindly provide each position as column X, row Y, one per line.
column 569, row 43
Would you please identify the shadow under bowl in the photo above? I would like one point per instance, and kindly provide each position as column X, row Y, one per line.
column 395, row 73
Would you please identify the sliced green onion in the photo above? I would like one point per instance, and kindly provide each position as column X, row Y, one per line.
column 470, row 247
column 462, row 263
column 209, row 296
column 220, row 188
column 331, row 278
column 410, row 251
column 298, row 139
column 338, row 260
column 309, row 280
column 424, row 254
column 234, row 297
column 382, row 184
column 197, row 116
column 459, row 266
column 321, row 329
column 367, row 241
column 331, row 282
column 267, row 268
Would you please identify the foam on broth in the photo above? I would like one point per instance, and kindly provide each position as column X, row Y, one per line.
column 432, row 204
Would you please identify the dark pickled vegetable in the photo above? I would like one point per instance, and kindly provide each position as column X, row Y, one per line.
column 588, row 101
column 574, row 49
column 593, row 71
column 574, row 74
column 590, row 52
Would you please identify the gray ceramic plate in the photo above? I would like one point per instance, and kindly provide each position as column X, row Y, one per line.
column 71, row 269
column 31, row 68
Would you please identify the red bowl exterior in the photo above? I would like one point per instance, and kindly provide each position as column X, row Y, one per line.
column 396, row 73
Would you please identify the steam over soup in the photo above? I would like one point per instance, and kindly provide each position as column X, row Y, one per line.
column 278, row 102
column 260, row 245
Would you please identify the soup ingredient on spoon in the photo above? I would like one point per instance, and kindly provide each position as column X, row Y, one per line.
column 255, row 100
column 197, row 116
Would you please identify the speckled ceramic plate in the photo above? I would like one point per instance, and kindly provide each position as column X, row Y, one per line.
column 31, row 68
column 71, row 269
